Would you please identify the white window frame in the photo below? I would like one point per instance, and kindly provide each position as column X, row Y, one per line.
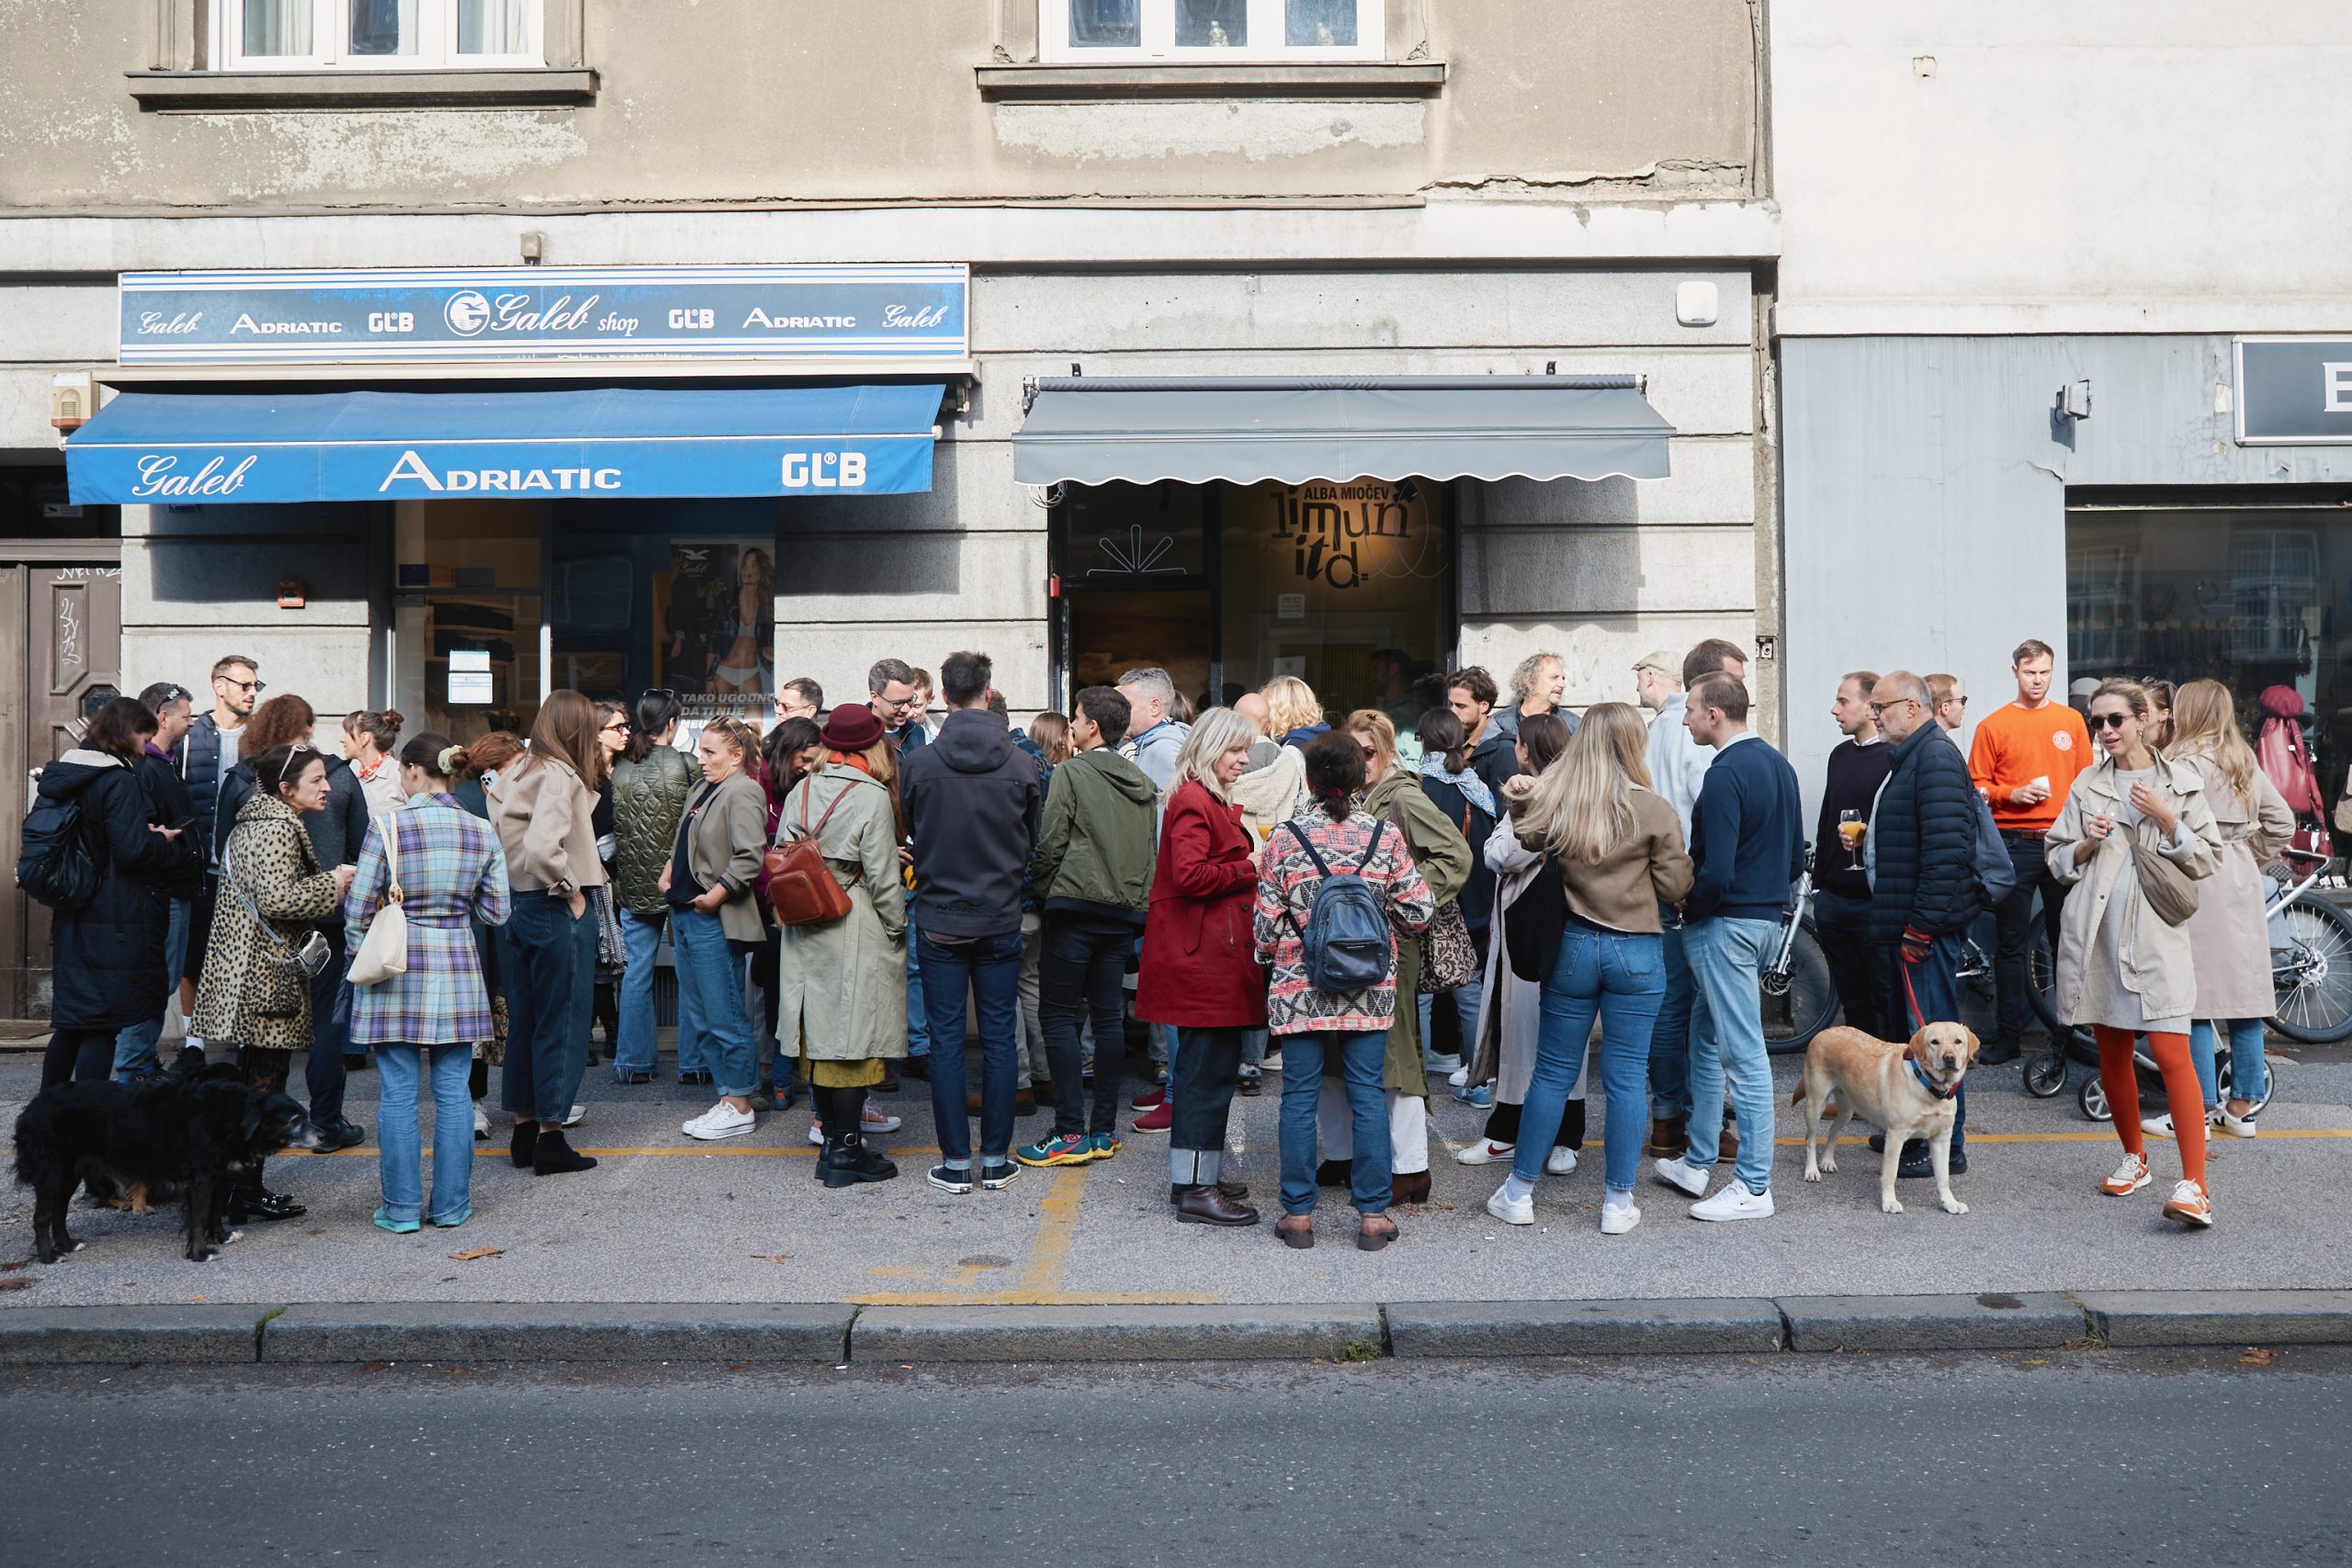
column 1158, row 47
column 331, row 25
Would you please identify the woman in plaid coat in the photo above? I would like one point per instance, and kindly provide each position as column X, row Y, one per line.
column 451, row 872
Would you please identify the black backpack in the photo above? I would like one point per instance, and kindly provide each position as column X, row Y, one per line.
column 55, row 864
column 1346, row 936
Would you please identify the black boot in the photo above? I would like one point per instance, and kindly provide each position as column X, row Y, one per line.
column 554, row 1157
column 525, row 1144
column 850, row 1161
column 821, row 1105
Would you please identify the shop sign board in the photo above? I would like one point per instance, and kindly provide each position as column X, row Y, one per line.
column 874, row 315
column 2294, row 390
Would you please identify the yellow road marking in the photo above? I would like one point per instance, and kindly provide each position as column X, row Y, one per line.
column 1056, row 1227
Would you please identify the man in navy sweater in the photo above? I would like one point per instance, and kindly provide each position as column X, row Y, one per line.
column 1747, row 843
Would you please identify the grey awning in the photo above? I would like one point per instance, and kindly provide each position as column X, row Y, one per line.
column 1093, row 430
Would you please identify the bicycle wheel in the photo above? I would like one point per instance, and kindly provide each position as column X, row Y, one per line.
column 2316, row 995
column 1807, row 1005
column 2041, row 984
column 2092, row 1097
column 2225, row 1077
column 2045, row 1073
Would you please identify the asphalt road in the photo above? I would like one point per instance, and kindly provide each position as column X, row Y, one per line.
column 2096, row 1459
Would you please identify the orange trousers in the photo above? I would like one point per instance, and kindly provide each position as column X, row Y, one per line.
column 2183, row 1098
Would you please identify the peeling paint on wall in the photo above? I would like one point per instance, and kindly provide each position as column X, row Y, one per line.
column 344, row 153
column 1079, row 132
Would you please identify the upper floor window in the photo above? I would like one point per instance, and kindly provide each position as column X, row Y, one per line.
column 378, row 35
column 1206, row 31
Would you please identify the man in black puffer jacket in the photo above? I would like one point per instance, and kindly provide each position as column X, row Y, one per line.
column 1923, row 875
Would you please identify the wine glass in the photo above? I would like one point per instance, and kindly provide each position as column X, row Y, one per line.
column 1852, row 828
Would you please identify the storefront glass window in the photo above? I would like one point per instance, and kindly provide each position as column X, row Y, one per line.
column 466, row 619
column 2255, row 598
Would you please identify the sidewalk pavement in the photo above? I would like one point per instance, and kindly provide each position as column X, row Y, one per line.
column 741, row 1224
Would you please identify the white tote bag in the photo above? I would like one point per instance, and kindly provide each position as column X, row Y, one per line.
column 385, row 953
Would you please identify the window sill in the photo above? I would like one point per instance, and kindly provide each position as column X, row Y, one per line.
column 210, row 90
column 1348, row 80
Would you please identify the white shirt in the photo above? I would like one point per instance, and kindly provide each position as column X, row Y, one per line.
column 1678, row 763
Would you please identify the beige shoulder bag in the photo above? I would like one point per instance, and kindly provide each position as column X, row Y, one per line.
column 385, row 953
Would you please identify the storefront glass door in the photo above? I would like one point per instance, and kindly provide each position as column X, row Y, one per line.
column 465, row 642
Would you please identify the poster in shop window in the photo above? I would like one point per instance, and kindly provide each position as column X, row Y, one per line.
column 717, row 625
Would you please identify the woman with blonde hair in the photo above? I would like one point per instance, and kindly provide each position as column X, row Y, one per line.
column 544, row 807
column 2228, row 940
column 1620, row 852
column 2123, row 968
column 1277, row 792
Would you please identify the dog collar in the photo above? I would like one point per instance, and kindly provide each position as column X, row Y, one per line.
column 1925, row 1081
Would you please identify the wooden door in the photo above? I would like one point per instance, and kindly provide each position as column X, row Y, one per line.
column 61, row 656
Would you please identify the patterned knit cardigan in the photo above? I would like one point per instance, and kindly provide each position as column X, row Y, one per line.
column 1287, row 883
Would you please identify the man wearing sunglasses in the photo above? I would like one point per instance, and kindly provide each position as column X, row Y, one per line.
column 206, row 757
column 2024, row 759
column 1923, row 875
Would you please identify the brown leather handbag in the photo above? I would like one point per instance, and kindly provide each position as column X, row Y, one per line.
column 802, row 889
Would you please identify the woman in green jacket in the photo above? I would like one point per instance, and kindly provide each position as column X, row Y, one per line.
column 1393, row 794
column 651, row 784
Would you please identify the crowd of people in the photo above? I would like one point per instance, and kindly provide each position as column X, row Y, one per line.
column 848, row 896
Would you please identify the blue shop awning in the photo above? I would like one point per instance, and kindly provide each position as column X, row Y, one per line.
column 188, row 448
column 1093, row 430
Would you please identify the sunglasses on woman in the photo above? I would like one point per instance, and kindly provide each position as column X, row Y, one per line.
column 2109, row 720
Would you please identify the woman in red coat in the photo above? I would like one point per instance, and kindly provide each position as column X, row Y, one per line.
column 1200, row 972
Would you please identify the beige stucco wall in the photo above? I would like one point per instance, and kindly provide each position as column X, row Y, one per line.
column 755, row 101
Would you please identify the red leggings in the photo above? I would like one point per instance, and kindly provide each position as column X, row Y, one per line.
column 2183, row 1098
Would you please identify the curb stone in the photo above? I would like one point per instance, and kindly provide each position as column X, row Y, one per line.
column 2220, row 1317
column 1742, row 1325
column 1115, row 1333
column 2038, row 1320
column 179, row 1335
column 586, row 1331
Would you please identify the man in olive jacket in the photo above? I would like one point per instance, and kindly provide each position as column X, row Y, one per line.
column 1091, row 879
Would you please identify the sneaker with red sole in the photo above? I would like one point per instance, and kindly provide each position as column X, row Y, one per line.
column 1159, row 1119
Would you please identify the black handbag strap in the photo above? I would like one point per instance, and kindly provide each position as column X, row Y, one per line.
column 1370, row 849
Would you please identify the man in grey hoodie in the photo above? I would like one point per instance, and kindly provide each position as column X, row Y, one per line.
column 1092, row 877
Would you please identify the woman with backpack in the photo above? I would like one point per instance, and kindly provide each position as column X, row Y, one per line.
column 1332, row 882
column 424, row 1022
column 842, row 984
column 1199, row 974
column 1434, row 842
column 1620, row 856
column 108, row 970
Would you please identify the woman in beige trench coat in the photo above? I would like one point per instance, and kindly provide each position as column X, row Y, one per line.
column 842, row 987
column 2121, row 969
column 2228, row 937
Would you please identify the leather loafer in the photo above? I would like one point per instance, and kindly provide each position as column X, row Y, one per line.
column 267, row 1206
column 1668, row 1139
column 1208, row 1206
column 1235, row 1191
column 1411, row 1188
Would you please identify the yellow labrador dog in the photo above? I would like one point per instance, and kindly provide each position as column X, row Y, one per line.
column 1907, row 1089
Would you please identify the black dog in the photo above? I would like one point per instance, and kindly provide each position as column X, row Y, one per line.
column 195, row 1134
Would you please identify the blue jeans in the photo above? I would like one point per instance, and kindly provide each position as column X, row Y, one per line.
column 1362, row 1054
column 989, row 969
column 1621, row 976
column 134, row 1046
column 638, row 1045
column 1922, row 993
column 917, row 1014
column 2249, row 1073
column 550, row 996
column 1670, row 1038
column 1465, row 1008
column 1728, row 1043
column 399, row 1141
column 711, row 972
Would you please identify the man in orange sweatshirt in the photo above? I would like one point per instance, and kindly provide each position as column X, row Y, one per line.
column 2026, row 757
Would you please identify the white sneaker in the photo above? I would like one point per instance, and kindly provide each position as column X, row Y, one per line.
column 1616, row 1219
column 721, row 1120
column 1486, row 1151
column 1459, row 1078
column 875, row 1120
column 1449, row 1063
column 579, row 1114
column 2161, row 1126
column 2190, row 1205
column 2129, row 1178
column 481, row 1120
column 2235, row 1126
column 1521, row 1212
column 1559, row 1162
column 816, row 1133
column 1735, row 1203
column 1681, row 1173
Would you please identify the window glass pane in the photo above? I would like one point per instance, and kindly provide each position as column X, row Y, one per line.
column 1319, row 24
column 491, row 26
column 383, row 27
column 1212, row 24
column 278, row 27
column 1107, row 24
column 2257, row 600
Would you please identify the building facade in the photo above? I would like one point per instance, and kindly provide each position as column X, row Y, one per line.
column 1505, row 266
column 2061, row 339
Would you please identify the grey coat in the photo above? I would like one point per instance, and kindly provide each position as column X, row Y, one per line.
column 842, row 988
